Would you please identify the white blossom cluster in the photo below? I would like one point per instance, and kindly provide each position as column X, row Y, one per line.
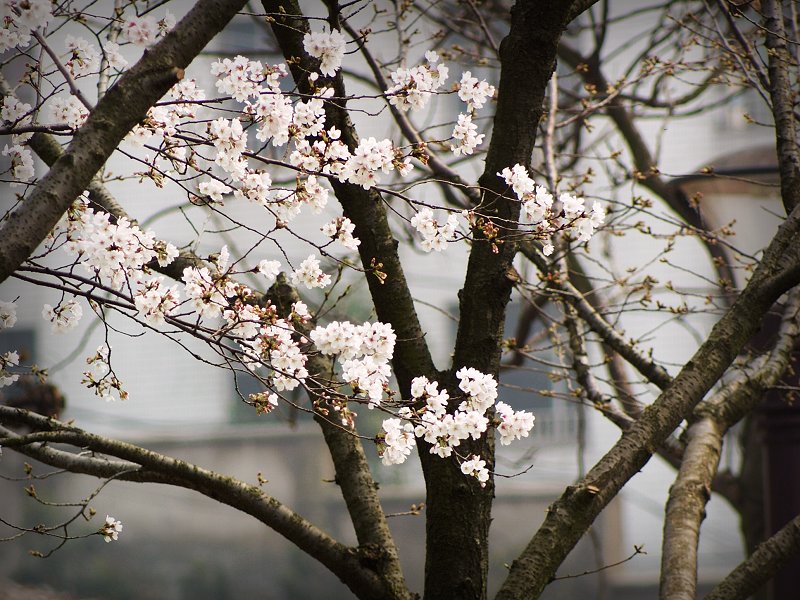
column 18, row 18
column 145, row 30
column 310, row 274
column 434, row 236
column 341, row 229
column 114, row 252
column 100, row 377
column 84, row 58
column 21, row 164
column 364, row 351
column 413, row 87
column 155, row 300
column 15, row 112
column 63, row 317
column 445, row 431
column 69, row 111
column 8, row 315
column 111, row 529
column 466, row 132
column 328, row 47
column 474, row 91
column 8, row 359
column 8, row 318
column 537, row 205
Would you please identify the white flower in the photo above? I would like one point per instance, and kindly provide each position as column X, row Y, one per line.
column 474, row 92
column 328, row 47
column 22, row 169
column 434, row 236
column 514, row 424
column 84, row 58
column 414, row 87
column 466, row 132
column 398, row 441
column 572, row 205
column 476, row 468
column 141, row 31
column 310, row 275
column 341, row 229
column 8, row 359
column 8, row 315
column 214, row 189
column 14, row 112
column 240, row 77
column 269, row 269
column 69, row 110
column 156, row 300
column 64, row 317
column 114, row 57
column 111, row 529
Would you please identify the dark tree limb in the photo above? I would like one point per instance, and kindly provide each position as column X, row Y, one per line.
column 761, row 566
column 571, row 515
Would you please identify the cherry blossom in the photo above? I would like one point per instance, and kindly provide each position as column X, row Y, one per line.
column 111, row 529
column 8, row 359
column 328, row 47
column 341, row 229
column 473, row 91
column 310, row 275
column 63, row 317
column 8, row 315
column 84, row 57
column 466, row 132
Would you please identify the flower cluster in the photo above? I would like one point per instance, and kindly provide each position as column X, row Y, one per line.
column 155, row 300
column 434, row 236
column 111, row 529
column 69, row 111
column 143, row 31
column 341, row 229
column 364, row 350
column 114, row 252
column 310, row 275
column 445, row 430
column 474, row 91
column 21, row 164
column 8, row 359
column 413, row 87
column 514, row 425
column 18, row 18
column 101, row 378
column 328, row 47
column 84, row 58
column 466, row 132
column 15, row 112
column 240, row 77
column 537, row 206
column 8, row 315
column 64, row 317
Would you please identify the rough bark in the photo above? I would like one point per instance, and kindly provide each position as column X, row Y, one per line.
column 125, row 104
column 458, row 510
column 761, row 566
column 571, row 515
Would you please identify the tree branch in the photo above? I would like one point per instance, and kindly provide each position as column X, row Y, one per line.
column 125, row 104
column 571, row 515
column 768, row 558
column 141, row 465
column 783, row 98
